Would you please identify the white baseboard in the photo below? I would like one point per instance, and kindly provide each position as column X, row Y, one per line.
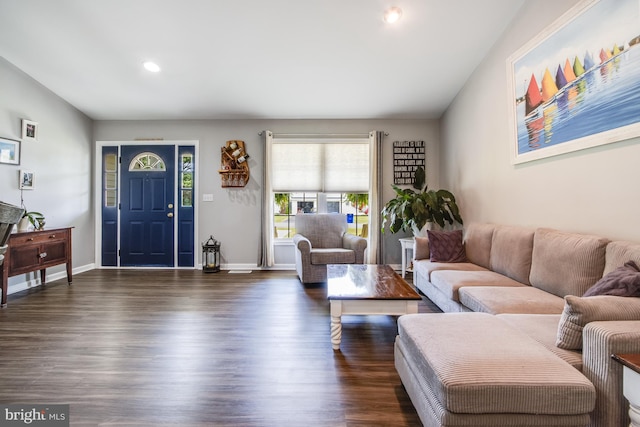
column 35, row 281
column 255, row 267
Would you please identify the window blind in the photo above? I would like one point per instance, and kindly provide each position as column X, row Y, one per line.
column 320, row 165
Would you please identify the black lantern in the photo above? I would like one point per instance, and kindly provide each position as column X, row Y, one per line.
column 211, row 256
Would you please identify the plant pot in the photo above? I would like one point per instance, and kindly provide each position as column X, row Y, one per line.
column 23, row 225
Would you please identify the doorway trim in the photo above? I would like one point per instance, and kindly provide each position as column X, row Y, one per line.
column 97, row 197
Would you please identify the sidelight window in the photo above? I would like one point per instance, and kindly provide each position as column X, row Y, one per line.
column 110, row 180
column 186, row 180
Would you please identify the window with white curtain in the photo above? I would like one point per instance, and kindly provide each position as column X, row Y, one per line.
column 320, row 175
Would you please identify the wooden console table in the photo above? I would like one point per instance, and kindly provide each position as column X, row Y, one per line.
column 36, row 250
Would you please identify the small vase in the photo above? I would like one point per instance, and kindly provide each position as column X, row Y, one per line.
column 23, row 225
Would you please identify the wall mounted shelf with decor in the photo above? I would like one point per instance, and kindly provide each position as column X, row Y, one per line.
column 234, row 171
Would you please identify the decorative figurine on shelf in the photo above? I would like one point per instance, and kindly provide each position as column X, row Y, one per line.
column 234, row 167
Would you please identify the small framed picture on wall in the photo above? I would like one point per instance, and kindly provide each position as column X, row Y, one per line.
column 9, row 151
column 27, row 180
column 29, row 130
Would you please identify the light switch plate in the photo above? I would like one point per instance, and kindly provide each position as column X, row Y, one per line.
column 207, row 197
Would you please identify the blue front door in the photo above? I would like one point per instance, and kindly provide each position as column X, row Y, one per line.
column 147, row 208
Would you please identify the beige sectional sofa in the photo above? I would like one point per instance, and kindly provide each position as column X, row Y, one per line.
column 518, row 344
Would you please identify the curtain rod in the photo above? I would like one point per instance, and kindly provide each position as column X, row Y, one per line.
column 320, row 135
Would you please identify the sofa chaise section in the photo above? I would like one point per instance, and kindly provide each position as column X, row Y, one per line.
column 543, row 274
column 472, row 369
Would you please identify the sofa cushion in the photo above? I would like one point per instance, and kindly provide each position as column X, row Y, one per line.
column 511, row 249
column 578, row 311
column 421, row 248
column 619, row 252
column 446, row 246
column 623, row 282
column 566, row 263
column 449, row 281
column 524, row 299
column 426, row 267
column 333, row 256
column 477, row 243
column 544, row 329
column 476, row 363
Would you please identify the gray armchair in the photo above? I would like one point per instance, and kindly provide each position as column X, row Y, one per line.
column 322, row 239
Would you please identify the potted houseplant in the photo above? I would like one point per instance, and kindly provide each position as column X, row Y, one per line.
column 36, row 219
column 412, row 210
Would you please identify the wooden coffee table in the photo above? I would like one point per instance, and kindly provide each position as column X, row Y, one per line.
column 366, row 289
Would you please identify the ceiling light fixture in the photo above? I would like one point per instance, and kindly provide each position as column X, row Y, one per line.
column 151, row 66
column 392, row 15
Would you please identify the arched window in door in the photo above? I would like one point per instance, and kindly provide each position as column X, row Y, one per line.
column 145, row 162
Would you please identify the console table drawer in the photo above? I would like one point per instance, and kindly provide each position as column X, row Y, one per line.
column 19, row 239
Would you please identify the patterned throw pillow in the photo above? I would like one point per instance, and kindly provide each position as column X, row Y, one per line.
column 579, row 311
column 624, row 281
column 446, row 246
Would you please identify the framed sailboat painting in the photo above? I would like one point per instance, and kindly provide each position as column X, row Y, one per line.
column 577, row 84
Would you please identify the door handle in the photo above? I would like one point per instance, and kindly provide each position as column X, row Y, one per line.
column 170, row 214
column 170, row 206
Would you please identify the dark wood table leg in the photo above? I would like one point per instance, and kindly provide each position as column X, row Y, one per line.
column 4, row 269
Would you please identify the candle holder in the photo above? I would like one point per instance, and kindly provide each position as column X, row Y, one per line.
column 211, row 256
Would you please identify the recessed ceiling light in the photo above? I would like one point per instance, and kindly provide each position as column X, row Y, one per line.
column 392, row 15
column 151, row 66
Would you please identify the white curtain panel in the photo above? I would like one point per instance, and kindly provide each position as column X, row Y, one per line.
column 266, row 253
column 374, row 256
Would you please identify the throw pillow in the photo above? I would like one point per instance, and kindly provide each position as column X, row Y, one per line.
column 421, row 248
column 624, row 281
column 446, row 246
column 578, row 311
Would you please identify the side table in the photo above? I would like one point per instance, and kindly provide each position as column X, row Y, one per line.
column 631, row 384
column 35, row 251
column 407, row 245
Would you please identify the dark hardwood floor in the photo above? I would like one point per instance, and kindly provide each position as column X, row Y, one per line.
column 183, row 348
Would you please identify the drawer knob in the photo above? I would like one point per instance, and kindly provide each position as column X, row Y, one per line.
column 43, row 255
column 53, row 236
column 30, row 239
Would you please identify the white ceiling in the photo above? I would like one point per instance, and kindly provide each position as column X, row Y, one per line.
column 316, row 59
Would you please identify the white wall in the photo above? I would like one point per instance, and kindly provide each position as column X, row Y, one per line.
column 233, row 217
column 594, row 190
column 61, row 161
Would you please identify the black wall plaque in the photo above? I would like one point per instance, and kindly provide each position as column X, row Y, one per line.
column 407, row 156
